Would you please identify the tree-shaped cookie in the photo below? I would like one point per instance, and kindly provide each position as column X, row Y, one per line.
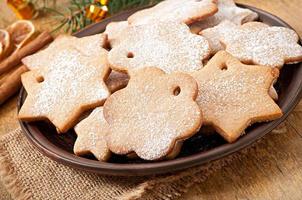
column 186, row 11
column 70, row 83
column 91, row 136
column 153, row 114
column 232, row 95
column 167, row 45
column 227, row 10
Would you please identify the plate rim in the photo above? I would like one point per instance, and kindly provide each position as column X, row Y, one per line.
column 160, row 167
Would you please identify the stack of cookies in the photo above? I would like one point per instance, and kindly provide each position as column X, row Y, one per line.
column 168, row 71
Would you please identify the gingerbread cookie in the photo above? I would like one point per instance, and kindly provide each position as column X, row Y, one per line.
column 116, row 81
column 89, row 45
column 213, row 35
column 167, row 45
column 256, row 43
column 91, row 136
column 113, row 31
column 153, row 114
column 227, row 10
column 70, row 82
column 232, row 95
column 186, row 11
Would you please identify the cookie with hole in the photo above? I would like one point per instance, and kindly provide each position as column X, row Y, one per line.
column 233, row 95
column 153, row 114
column 70, row 83
column 169, row 46
column 186, row 11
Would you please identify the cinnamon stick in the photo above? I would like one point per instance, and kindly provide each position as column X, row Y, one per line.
column 15, row 59
column 12, row 84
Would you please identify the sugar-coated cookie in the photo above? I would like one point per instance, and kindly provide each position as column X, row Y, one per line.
column 227, row 10
column 213, row 35
column 186, row 11
column 167, row 45
column 70, row 82
column 256, row 43
column 232, row 95
column 89, row 45
column 91, row 136
column 114, row 32
column 153, row 114
column 116, row 81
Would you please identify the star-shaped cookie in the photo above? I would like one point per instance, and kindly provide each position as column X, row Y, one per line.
column 167, row 45
column 70, row 83
column 232, row 95
column 257, row 43
column 227, row 10
column 91, row 136
column 89, row 45
column 186, row 11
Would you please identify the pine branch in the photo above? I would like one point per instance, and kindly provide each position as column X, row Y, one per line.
column 74, row 17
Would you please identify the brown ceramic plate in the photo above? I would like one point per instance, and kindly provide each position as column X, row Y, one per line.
column 196, row 150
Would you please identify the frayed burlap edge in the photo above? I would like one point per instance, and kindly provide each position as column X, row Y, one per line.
column 174, row 186
column 9, row 176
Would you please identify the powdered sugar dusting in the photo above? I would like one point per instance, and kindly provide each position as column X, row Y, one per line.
column 270, row 46
column 169, row 46
column 71, row 80
column 175, row 10
column 147, row 118
column 227, row 10
column 233, row 97
column 91, row 136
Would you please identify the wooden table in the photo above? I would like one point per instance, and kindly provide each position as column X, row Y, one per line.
column 274, row 171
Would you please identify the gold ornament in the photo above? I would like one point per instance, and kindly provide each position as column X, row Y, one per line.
column 96, row 13
column 22, row 8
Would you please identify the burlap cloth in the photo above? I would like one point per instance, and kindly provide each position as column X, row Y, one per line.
column 27, row 174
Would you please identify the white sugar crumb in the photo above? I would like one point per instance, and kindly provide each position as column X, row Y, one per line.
column 151, row 117
column 174, row 10
column 169, row 46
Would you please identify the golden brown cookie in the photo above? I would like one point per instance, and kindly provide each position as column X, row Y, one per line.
column 213, row 35
column 89, row 45
column 153, row 114
column 233, row 96
column 186, row 11
column 113, row 31
column 227, row 10
column 91, row 136
column 169, row 46
column 70, row 82
column 116, row 81
column 256, row 43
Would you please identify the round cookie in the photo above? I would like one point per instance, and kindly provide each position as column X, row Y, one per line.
column 169, row 46
column 152, row 114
